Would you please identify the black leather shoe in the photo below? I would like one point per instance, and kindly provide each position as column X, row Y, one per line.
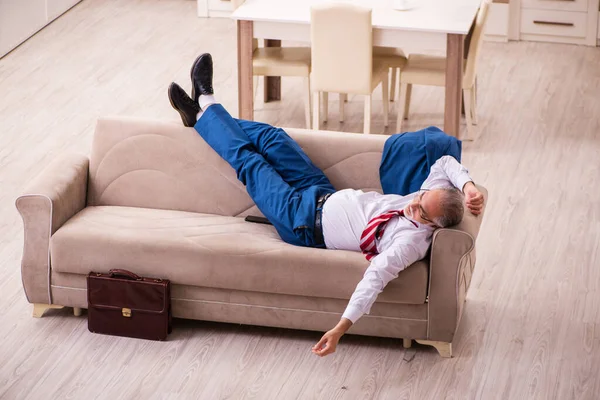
column 185, row 106
column 202, row 76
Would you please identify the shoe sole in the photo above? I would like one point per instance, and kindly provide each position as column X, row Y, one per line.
column 181, row 114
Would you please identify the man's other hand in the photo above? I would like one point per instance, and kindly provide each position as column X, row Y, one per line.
column 473, row 198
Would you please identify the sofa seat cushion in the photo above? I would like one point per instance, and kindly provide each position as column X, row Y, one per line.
column 215, row 251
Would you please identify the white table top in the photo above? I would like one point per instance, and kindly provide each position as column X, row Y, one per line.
column 436, row 16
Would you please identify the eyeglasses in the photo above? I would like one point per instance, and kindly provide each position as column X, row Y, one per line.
column 422, row 212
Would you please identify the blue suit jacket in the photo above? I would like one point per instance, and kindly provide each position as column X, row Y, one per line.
column 408, row 157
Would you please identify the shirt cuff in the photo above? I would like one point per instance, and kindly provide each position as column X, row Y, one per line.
column 463, row 179
column 353, row 313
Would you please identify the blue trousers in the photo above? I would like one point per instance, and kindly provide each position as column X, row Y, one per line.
column 278, row 175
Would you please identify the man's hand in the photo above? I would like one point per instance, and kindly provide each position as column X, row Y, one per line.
column 473, row 198
column 328, row 343
column 330, row 339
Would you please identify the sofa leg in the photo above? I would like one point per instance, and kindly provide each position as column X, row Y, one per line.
column 444, row 348
column 77, row 311
column 407, row 343
column 40, row 309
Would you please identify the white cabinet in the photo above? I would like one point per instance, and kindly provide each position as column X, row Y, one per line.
column 558, row 5
column 20, row 19
column 554, row 23
column 559, row 21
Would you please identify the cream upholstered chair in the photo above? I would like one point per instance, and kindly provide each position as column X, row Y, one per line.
column 282, row 61
column 391, row 57
column 431, row 70
column 342, row 58
column 394, row 59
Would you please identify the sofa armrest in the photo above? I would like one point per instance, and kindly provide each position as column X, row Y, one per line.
column 451, row 266
column 54, row 196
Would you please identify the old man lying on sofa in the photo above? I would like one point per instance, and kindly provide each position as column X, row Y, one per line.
column 393, row 231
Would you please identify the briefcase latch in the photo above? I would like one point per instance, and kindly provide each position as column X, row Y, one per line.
column 127, row 312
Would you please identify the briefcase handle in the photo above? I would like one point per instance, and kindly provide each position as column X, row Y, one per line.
column 124, row 273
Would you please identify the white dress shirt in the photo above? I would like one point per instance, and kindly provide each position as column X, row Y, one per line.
column 347, row 212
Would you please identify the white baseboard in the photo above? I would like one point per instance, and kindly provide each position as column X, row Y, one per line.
column 496, row 38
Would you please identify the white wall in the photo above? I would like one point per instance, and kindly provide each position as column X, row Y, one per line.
column 20, row 19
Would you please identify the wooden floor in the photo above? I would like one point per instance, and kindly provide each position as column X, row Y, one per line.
column 531, row 327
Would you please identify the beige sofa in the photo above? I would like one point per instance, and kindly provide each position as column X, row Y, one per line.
column 155, row 199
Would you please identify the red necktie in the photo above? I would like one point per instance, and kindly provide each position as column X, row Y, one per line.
column 374, row 230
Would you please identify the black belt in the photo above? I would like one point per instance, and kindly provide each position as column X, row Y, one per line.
column 319, row 239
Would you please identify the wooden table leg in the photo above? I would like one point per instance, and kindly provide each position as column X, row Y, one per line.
column 454, row 75
column 467, row 45
column 245, row 33
column 272, row 83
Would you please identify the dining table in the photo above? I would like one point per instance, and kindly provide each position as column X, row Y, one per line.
column 422, row 27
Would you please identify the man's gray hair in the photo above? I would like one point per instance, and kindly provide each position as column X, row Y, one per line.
column 452, row 203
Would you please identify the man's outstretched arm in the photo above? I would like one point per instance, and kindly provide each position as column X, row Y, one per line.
column 406, row 250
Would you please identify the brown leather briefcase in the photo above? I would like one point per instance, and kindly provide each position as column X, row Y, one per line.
column 122, row 303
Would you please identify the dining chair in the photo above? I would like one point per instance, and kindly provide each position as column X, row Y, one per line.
column 394, row 59
column 282, row 61
column 428, row 70
column 391, row 57
column 342, row 58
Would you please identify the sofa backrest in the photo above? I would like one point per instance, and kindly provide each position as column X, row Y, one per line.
column 150, row 164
